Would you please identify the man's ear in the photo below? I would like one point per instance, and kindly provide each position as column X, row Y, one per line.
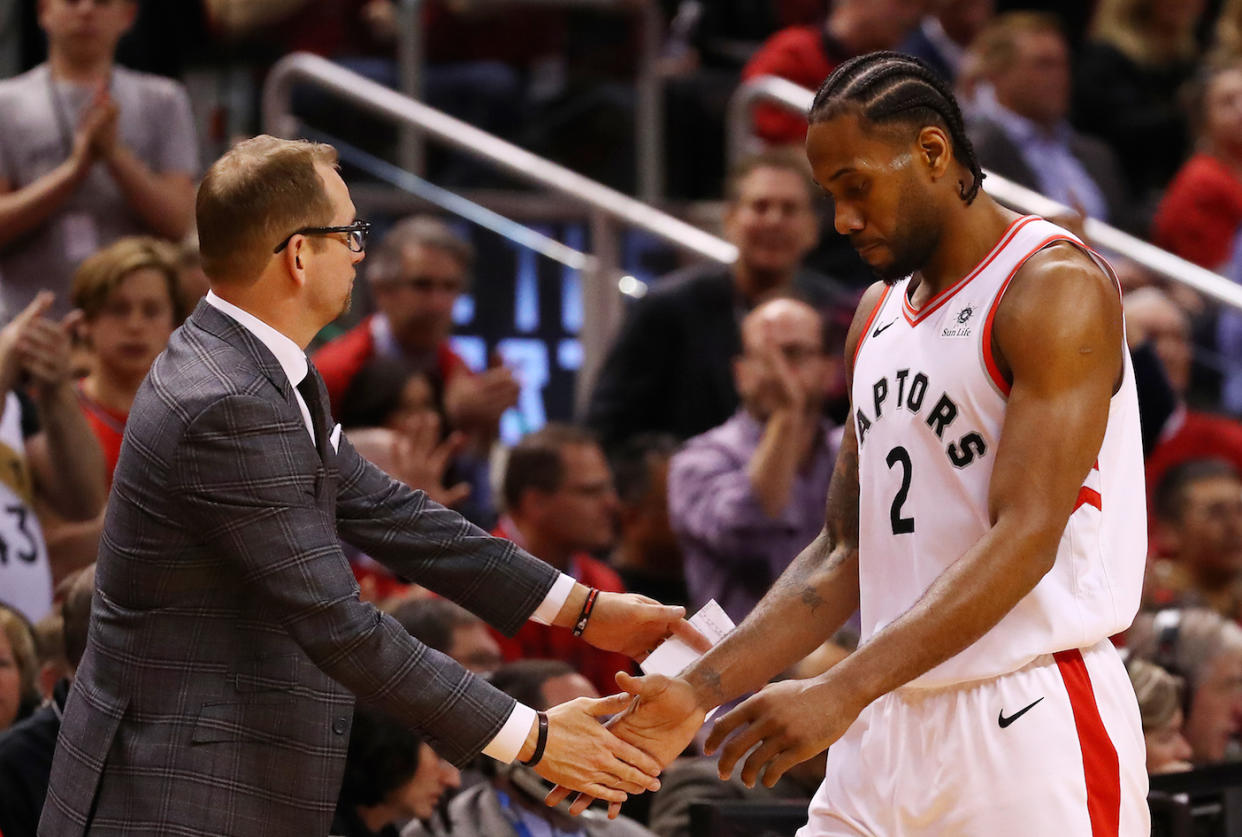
column 294, row 263
column 936, row 150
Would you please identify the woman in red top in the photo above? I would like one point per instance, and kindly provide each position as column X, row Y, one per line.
column 1202, row 210
column 131, row 298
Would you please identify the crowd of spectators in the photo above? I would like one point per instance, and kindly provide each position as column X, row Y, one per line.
column 702, row 460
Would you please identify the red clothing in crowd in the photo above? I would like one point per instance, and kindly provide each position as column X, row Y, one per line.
column 546, row 642
column 805, row 55
column 1201, row 212
column 108, row 426
column 339, row 360
column 1195, row 436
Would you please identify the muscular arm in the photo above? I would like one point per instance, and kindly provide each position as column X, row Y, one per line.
column 815, row 594
column 1059, row 333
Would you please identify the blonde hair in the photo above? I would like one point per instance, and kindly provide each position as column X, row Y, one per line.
column 254, row 196
column 21, row 640
column 1159, row 693
column 997, row 43
column 100, row 275
column 1127, row 25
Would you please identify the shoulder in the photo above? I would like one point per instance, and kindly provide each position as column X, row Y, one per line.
column 867, row 307
column 1058, row 293
column 791, row 44
column 198, row 370
column 712, row 446
column 691, row 284
column 150, row 87
column 18, row 87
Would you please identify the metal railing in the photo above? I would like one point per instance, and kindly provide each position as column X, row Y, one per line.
column 784, row 93
column 607, row 209
column 649, row 88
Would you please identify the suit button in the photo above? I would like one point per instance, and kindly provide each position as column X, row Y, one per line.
column 340, row 725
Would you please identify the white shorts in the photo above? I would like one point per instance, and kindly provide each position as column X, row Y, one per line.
column 1054, row 748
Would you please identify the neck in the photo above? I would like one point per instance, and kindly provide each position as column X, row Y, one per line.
column 113, row 390
column 543, row 547
column 377, row 816
column 968, row 235
column 757, row 286
column 287, row 315
column 79, row 69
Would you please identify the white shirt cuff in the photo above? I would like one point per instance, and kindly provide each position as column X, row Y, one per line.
column 508, row 742
column 552, row 603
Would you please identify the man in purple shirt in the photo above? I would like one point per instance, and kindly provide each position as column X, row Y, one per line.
column 747, row 496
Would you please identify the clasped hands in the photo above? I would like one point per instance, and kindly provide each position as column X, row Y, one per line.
column 780, row 726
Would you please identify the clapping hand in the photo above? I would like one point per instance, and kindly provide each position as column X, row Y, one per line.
column 39, row 347
column 420, row 459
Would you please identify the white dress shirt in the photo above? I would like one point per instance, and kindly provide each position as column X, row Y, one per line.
column 292, row 359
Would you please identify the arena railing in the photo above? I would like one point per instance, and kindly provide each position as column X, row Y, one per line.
column 649, row 88
column 797, row 99
column 608, row 210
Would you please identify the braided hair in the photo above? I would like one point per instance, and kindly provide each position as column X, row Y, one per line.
column 887, row 88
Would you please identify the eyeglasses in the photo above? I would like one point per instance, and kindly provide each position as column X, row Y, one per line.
column 356, row 232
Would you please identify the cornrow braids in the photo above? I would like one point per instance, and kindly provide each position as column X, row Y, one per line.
column 888, row 87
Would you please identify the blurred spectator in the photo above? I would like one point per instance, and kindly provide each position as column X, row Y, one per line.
column 131, row 300
column 391, row 776
column 450, row 629
column 416, row 275
column 49, row 635
column 806, row 55
column 92, row 152
column 1227, row 44
column 59, row 468
column 1138, row 55
column 26, row 749
column 669, row 368
column 511, row 803
column 19, row 664
column 1160, row 697
column 1206, row 651
column 1023, row 133
column 648, row 557
column 1187, row 434
column 746, row 497
column 687, row 781
column 560, row 506
column 1201, row 212
column 194, row 282
column 944, row 35
column 1198, row 538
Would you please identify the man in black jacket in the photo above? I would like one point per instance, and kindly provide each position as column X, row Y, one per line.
column 670, row 369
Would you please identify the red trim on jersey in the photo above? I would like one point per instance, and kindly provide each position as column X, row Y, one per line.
column 1089, row 497
column 988, row 359
column 914, row 317
column 867, row 326
column 1101, row 767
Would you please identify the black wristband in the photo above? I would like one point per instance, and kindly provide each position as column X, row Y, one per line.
column 541, row 742
column 587, row 607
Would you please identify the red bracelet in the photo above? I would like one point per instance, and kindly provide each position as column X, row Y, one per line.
column 587, row 607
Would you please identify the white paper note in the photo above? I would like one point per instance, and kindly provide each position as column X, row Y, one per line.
column 673, row 655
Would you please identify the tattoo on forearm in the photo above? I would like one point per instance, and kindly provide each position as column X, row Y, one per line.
column 811, row 598
column 707, row 680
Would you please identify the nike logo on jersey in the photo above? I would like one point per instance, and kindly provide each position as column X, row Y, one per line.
column 878, row 329
column 1004, row 722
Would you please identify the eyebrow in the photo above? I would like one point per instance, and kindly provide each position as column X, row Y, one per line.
column 841, row 171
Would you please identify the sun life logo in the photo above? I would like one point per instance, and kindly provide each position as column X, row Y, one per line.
column 959, row 325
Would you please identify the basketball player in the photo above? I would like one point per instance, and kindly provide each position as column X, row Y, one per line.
column 986, row 515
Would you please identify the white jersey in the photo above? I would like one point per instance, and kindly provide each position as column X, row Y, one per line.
column 929, row 404
column 25, row 575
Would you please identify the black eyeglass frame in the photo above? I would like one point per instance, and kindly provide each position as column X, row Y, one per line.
column 362, row 228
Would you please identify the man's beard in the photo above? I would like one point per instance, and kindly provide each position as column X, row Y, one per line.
column 917, row 238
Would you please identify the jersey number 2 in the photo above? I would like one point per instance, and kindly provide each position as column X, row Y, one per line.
column 901, row 525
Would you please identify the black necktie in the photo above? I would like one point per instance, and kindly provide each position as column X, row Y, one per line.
column 309, row 389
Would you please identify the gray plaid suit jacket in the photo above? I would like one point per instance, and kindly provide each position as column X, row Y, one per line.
column 227, row 640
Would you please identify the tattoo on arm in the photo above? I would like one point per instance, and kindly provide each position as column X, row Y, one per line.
column 706, row 680
column 811, row 598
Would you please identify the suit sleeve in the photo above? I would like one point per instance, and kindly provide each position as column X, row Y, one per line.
column 423, row 541
column 246, row 489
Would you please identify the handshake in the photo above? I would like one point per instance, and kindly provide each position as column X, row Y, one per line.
column 655, row 717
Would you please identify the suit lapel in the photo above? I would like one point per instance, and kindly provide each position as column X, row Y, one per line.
column 213, row 321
